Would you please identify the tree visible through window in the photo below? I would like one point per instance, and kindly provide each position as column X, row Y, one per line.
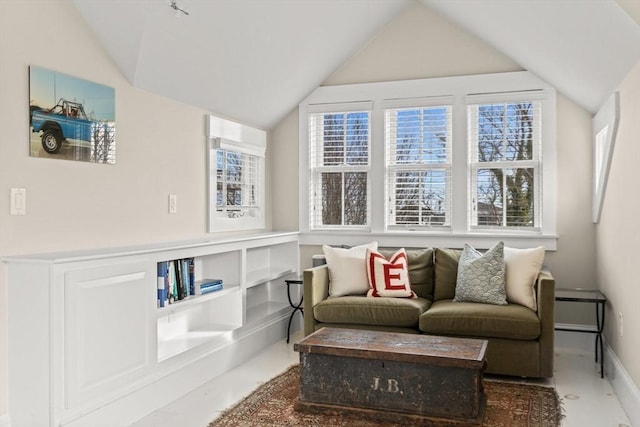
column 339, row 161
column 236, row 181
column 505, row 164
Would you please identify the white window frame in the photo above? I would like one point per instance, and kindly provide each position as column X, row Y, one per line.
column 316, row 169
column 226, row 135
column 534, row 163
column 392, row 167
column 460, row 88
column 605, row 130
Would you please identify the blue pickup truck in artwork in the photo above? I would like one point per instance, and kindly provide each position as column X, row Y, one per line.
column 66, row 120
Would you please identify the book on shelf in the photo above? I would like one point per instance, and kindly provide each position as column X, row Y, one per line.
column 211, row 288
column 192, row 278
column 163, row 270
column 180, row 276
column 175, row 280
column 204, row 286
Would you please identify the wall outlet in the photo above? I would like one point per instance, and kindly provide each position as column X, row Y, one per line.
column 173, row 203
column 621, row 323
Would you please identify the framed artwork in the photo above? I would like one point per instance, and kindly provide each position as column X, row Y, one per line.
column 605, row 128
column 70, row 118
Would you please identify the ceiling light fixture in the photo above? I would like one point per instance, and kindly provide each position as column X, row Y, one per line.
column 175, row 7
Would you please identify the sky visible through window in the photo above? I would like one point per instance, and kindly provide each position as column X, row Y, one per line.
column 419, row 137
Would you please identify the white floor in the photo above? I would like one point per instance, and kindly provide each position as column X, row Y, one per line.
column 588, row 400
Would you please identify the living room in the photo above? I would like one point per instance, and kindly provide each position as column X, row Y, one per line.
column 75, row 206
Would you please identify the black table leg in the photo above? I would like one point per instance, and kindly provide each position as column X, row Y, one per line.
column 296, row 307
column 600, row 307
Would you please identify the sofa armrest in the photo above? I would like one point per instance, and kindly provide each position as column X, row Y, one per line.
column 546, row 297
column 316, row 289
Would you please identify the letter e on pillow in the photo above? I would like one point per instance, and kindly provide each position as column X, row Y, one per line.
column 388, row 278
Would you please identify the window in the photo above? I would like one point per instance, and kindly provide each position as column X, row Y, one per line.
column 454, row 160
column 504, row 144
column 236, row 176
column 605, row 128
column 418, row 145
column 339, row 159
column 237, row 183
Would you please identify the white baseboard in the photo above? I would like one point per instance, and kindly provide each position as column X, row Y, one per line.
column 5, row 421
column 627, row 391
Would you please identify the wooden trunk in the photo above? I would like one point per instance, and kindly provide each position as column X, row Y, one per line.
column 383, row 375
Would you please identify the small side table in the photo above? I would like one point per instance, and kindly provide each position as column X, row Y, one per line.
column 297, row 307
column 589, row 296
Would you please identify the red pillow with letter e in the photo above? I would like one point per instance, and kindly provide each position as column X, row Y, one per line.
column 388, row 278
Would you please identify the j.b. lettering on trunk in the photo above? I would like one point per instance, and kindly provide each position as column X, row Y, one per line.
column 386, row 386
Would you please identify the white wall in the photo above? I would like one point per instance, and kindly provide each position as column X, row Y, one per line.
column 160, row 147
column 421, row 44
column 618, row 233
column 76, row 205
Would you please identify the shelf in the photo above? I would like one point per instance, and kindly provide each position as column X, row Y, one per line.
column 192, row 300
column 194, row 247
column 170, row 347
column 265, row 310
column 264, row 275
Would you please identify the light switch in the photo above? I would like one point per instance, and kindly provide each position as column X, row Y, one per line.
column 173, row 203
column 18, row 201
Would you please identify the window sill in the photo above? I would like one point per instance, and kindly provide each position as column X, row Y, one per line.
column 419, row 239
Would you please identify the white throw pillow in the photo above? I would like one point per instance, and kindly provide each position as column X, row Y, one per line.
column 522, row 269
column 347, row 269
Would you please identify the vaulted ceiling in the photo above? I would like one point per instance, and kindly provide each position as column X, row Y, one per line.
column 255, row 60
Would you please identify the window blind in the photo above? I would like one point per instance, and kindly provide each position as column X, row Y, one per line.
column 418, row 144
column 339, row 163
column 228, row 135
column 237, row 183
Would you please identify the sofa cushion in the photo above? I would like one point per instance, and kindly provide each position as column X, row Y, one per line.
column 347, row 270
column 371, row 311
column 513, row 321
column 420, row 269
column 481, row 276
column 446, row 273
column 388, row 277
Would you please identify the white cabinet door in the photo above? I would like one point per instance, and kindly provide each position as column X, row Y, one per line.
column 109, row 329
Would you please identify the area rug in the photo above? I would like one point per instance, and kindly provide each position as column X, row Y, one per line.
column 509, row 404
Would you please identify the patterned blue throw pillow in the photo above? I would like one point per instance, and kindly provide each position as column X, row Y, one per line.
column 481, row 276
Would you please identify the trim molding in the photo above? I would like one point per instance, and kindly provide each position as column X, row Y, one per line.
column 627, row 391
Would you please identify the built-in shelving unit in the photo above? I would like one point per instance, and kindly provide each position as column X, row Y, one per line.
column 99, row 341
column 266, row 295
column 198, row 320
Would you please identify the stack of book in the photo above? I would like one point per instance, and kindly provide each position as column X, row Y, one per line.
column 175, row 280
column 206, row 286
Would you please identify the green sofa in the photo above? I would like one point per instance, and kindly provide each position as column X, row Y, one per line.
column 521, row 340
